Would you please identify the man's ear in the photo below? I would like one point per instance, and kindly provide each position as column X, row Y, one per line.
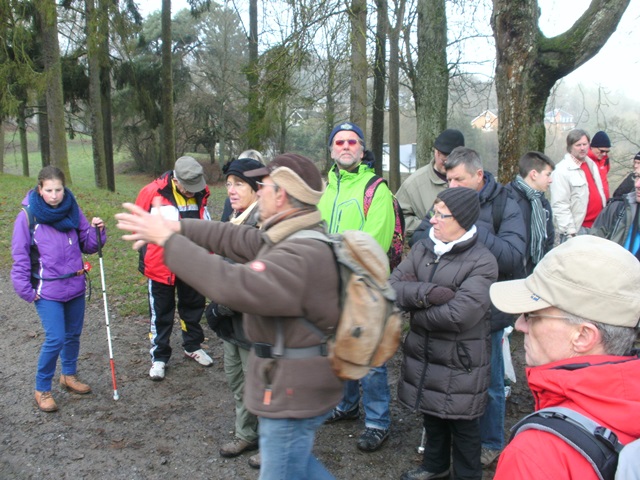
column 586, row 339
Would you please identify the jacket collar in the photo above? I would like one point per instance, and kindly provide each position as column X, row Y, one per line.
column 277, row 229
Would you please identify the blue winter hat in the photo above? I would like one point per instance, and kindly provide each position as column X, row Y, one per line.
column 600, row 139
column 347, row 126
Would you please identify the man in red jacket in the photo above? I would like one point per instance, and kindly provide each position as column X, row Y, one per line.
column 577, row 340
column 184, row 194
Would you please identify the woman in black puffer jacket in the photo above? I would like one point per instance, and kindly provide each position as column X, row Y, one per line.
column 444, row 284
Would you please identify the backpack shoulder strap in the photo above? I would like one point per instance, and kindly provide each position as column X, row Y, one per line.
column 597, row 444
column 31, row 219
column 369, row 192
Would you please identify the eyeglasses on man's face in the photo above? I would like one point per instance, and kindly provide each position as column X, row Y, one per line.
column 531, row 316
column 261, row 185
column 350, row 141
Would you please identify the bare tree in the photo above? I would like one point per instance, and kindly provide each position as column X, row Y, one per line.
column 394, row 92
column 359, row 66
column 529, row 64
column 379, row 83
column 431, row 82
column 168, row 129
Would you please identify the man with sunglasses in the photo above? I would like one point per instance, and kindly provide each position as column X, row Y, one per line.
column 342, row 207
column 578, row 338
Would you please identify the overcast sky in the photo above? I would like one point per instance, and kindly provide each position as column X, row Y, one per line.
column 616, row 67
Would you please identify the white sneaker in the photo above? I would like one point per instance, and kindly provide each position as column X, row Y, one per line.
column 200, row 356
column 157, row 371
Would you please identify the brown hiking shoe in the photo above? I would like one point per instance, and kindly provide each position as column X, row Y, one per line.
column 71, row 383
column 235, row 448
column 254, row 461
column 45, row 402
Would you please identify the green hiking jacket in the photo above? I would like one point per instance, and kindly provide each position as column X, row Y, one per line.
column 341, row 205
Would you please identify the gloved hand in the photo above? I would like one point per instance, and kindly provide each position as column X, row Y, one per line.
column 440, row 295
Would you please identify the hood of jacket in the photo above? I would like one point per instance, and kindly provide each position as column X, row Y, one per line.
column 490, row 189
column 602, row 387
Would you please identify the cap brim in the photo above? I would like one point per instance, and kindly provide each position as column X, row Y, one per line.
column 258, row 172
column 513, row 296
column 193, row 187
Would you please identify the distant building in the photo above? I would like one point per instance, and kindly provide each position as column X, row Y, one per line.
column 407, row 158
column 559, row 119
column 487, row 121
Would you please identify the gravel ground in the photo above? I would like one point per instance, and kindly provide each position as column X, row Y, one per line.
column 161, row 430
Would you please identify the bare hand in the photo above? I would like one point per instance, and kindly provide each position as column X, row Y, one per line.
column 146, row 227
column 97, row 222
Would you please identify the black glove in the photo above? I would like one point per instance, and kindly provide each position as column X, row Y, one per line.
column 440, row 295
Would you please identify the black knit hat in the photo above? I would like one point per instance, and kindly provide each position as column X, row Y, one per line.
column 239, row 167
column 463, row 203
column 448, row 140
column 601, row 139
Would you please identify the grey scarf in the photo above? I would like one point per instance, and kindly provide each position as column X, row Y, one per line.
column 538, row 219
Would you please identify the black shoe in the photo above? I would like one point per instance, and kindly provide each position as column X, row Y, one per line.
column 372, row 439
column 421, row 473
column 337, row 415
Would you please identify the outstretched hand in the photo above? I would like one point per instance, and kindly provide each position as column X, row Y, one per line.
column 146, row 227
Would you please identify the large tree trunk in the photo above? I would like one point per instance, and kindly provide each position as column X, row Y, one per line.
column 529, row 64
column 22, row 128
column 359, row 66
column 254, row 136
column 55, row 100
column 379, row 83
column 432, row 77
column 95, row 98
column 394, row 92
column 105, row 93
column 43, row 131
column 168, row 131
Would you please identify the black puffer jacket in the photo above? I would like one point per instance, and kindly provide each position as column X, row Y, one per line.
column 446, row 362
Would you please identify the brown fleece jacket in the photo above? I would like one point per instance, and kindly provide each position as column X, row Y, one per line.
column 273, row 278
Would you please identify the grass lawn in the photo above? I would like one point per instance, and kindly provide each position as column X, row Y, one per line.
column 125, row 286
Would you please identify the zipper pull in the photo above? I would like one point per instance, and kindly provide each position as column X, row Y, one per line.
column 266, row 399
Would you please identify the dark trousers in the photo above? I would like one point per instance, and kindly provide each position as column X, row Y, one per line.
column 463, row 436
column 162, row 307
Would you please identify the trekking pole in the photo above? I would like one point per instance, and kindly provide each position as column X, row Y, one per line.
column 420, row 448
column 106, row 316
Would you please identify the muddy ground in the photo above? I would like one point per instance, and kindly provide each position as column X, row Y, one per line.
column 160, row 430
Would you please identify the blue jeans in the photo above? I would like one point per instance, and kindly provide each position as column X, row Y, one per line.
column 285, row 449
column 375, row 398
column 492, row 421
column 62, row 323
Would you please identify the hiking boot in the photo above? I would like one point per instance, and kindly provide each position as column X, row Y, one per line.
column 254, row 461
column 488, row 456
column 200, row 356
column 337, row 415
column 71, row 383
column 45, row 402
column 421, row 473
column 157, row 371
column 372, row 439
column 235, row 448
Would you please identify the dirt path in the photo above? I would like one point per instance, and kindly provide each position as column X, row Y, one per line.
column 158, row 430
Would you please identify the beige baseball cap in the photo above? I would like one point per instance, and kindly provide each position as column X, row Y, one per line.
column 587, row 276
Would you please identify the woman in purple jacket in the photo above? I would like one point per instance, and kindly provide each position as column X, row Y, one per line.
column 47, row 248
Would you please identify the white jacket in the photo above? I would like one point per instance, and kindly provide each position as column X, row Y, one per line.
column 570, row 194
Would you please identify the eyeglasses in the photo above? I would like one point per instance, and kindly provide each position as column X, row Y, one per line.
column 527, row 316
column 262, row 185
column 602, row 150
column 235, row 185
column 351, row 142
column 441, row 216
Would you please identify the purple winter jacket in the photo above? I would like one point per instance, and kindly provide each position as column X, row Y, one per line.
column 60, row 254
